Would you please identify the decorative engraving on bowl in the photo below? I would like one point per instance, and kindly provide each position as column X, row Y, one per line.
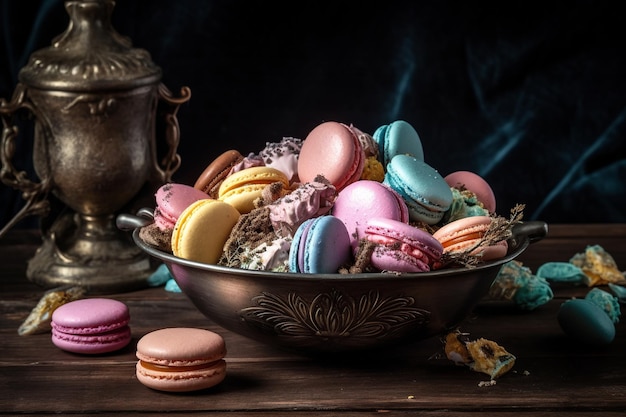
column 335, row 318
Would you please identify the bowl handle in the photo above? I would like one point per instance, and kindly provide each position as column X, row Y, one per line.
column 534, row 231
column 128, row 222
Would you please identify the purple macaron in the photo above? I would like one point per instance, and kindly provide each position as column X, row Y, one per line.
column 91, row 326
column 402, row 247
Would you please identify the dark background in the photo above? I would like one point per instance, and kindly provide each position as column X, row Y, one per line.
column 531, row 96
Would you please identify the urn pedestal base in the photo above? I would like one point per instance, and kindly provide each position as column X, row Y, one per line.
column 89, row 252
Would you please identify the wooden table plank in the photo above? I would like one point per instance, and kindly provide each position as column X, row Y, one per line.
column 551, row 374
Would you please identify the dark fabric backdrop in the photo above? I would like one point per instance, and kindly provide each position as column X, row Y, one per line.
column 532, row 96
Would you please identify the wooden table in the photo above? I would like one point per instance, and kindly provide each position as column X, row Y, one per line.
column 552, row 375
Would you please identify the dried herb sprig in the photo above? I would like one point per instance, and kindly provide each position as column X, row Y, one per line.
column 499, row 230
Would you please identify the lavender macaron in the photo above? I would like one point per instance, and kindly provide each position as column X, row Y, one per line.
column 91, row 326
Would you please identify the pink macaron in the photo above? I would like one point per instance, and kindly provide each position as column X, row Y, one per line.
column 334, row 151
column 364, row 199
column 465, row 235
column 402, row 247
column 476, row 184
column 91, row 326
column 171, row 200
column 181, row 359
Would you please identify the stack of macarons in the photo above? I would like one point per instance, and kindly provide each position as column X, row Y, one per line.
column 368, row 181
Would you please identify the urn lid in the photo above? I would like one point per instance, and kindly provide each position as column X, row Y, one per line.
column 90, row 55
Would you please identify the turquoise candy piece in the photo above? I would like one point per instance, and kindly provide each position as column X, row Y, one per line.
column 619, row 291
column 172, row 286
column 561, row 272
column 606, row 302
column 160, row 276
column 585, row 322
column 517, row 283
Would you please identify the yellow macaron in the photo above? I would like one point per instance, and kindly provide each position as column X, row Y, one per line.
column 241, row 188
column 202, row 230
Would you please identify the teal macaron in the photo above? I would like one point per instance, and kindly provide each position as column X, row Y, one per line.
column 398, row 138
column 320, row 245
column 425, row 191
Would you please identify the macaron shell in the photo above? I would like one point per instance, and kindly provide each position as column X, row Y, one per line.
column 181, row 359
column 464, row 229
column 333, row 150
column 398, row 138
column 91, row 326
column 424, row 190
column 202, row 230
column 476, row 184
column 462, row 234
column 241, row 188
column 210, row 179
column 90, row 316
column 298, row 247
column 171, row 200
column 181, row 381
column 322, row 246
column 385, row 258
column 92, row 343
column 405, row 234
column 364, row 199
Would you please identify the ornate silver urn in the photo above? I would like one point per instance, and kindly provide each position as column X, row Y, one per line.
column 94, row 101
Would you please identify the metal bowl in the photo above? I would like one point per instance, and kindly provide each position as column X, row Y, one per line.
column 321, row 313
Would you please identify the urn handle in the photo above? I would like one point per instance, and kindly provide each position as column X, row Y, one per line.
column 34, row 193
column 171, row 161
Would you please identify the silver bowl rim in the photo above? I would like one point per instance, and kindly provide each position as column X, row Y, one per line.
column 523, row 234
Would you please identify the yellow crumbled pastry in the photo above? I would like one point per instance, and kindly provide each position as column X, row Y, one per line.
column 456, row 350
column 373, row 170
column 489, row 358
column 38, row 321
column 598, row 266
column 479, row 355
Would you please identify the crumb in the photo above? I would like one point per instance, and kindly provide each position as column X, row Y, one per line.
column 489, row 383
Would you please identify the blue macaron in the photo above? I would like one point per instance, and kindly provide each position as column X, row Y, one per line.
column 425, row 191
column 320, row 245
column 397, row 138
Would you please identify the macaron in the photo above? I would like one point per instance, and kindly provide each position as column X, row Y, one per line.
column 202, row 230
column 241, row 188
column 320, row 245
column 91, row 326
column 334, row 151
column 476, row 184
column 214, row 174
column 463, row 234
column 426, row 193
column 401, row 247
column 181, row 359
column 364, row 199
column 398, row 138
column 171, row 200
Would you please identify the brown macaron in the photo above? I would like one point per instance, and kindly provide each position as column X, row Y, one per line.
column 213, row 175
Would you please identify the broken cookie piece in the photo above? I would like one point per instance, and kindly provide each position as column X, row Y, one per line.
column 598, row 266
column 479, row 355
column 38, row 321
